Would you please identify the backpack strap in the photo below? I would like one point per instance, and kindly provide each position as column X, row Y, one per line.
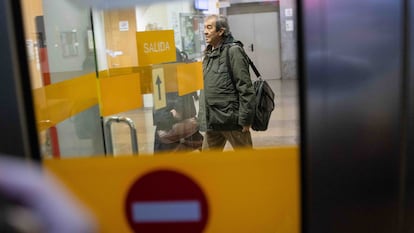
column 256, row 72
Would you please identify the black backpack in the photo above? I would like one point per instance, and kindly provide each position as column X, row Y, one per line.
column 265, row 97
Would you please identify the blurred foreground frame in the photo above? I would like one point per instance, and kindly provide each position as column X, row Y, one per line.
column 110, row 4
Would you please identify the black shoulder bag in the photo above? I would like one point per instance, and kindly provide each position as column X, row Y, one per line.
column 264, row 95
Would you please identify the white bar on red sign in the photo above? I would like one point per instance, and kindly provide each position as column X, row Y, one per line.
column 166, row 211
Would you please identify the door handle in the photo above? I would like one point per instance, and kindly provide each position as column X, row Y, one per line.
column 251, row 47
column 108, row 134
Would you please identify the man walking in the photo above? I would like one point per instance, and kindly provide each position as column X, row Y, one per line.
column 227, row 103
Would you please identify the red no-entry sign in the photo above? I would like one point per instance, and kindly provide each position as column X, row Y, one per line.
column 166, row 201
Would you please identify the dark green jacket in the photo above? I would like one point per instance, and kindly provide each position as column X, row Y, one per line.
column 224, row 104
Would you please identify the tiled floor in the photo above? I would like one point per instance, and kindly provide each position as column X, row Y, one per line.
column 283, row 128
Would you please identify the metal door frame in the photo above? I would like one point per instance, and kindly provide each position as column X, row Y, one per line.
column 363, row 191
column 354, row 155
column 18, row 124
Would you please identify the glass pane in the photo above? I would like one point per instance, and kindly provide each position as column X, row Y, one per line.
column 118, row 78
column 110, row 78
column 63, row 68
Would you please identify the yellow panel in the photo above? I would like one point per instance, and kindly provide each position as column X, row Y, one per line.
column 145, row 74
column 103, row 74
column 57, row 102
column 120, row 94
column 170, row 71
column 156, row 47
column 189, row 77
column 247, row 191
column 122, row 71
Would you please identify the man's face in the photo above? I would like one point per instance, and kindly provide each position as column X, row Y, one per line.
column 212, row 36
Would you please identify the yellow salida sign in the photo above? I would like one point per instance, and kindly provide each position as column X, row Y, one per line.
column 155, row 47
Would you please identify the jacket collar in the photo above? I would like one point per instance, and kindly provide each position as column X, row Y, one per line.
column 210, row 52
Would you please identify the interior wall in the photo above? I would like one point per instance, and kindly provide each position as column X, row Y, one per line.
column 162, row 16
column 288, row 35
column 121, row 41
column 73, row 19
column 100, row 42
column 288, row 39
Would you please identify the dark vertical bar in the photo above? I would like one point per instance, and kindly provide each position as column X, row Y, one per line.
column 351, row 71
column 404, row 126
column 17, row 121
column 304, row 180
column 408, row 221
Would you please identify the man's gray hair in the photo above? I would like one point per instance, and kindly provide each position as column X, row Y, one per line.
column 221, row 23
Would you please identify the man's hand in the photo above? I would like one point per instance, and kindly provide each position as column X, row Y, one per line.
column 246, row 128
column 175, row 114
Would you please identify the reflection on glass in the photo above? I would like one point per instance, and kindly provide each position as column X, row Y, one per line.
column 176, row 123
column 86, row 68
column 63, row 74
column 69, row 43
column 192, row 35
